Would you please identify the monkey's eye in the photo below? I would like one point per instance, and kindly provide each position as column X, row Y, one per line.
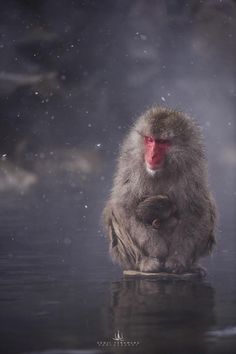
column 149, row 139
column 163, row 142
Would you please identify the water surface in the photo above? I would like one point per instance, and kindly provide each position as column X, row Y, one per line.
column 60, row 293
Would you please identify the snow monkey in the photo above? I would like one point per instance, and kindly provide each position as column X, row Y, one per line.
column 161, row 215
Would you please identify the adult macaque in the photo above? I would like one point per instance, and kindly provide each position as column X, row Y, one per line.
column 161, row 215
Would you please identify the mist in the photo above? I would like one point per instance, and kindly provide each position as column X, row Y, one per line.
column 74, row 76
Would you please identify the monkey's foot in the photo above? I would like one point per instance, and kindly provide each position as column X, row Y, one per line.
column 201, row 271
column 149, row 264
column 175, row 266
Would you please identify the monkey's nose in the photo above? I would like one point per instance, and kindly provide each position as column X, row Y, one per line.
column 154, row 157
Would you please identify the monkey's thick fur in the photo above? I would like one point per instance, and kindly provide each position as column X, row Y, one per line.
column 175, row 235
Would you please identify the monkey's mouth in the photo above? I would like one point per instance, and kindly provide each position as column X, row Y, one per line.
column 153, row 167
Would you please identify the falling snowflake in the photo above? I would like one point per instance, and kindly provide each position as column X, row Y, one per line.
column 4, row 157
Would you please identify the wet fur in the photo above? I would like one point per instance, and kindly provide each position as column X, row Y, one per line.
column 182, row 178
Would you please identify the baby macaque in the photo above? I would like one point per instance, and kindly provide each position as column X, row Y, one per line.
column 158, row 212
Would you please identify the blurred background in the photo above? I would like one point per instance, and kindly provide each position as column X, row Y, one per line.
column 74, row 75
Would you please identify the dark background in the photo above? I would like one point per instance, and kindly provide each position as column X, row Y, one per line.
column 74, row 75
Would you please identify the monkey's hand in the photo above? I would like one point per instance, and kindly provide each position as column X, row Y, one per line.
column 150, row 264
column 154, row 209
column 156, row 223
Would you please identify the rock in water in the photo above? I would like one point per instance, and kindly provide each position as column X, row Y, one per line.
column 163, row 276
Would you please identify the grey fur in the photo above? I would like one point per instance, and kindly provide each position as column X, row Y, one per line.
column 182, row 178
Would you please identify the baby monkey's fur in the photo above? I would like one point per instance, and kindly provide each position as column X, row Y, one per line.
column 162, row 221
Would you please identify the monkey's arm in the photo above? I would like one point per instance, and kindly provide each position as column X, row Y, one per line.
column 194, row 235
column 124, row 249
column 121, row 247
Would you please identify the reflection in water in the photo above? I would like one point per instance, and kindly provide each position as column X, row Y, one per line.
column 226, row 332
column 162, row 316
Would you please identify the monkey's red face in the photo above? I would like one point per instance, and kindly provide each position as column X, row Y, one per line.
column 155, row 152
